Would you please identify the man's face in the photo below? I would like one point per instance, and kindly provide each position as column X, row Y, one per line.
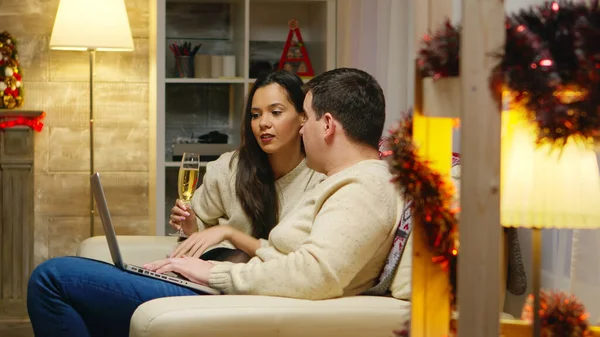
column 311, row 135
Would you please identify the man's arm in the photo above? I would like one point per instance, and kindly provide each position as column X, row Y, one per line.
column 352, row 225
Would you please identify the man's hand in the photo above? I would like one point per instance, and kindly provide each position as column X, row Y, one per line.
column 182, row 216
column 199, row 242
column 193, row 269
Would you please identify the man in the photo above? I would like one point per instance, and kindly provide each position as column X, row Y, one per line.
column 334, row 244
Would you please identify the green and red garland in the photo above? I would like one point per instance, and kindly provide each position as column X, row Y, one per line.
column 11, row 88
column 550, row 62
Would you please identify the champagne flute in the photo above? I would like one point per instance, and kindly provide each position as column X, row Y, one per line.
column 189, row 171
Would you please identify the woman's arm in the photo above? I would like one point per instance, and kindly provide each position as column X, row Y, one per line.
column 199, row 242
column 244, row 242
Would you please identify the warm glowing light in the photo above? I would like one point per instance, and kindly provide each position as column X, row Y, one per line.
column 545, row 187
column 570, row 94
column 555, row 6
column 91, row 25
column 546, row 62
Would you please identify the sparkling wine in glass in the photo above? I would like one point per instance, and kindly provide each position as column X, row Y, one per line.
column 189, row 171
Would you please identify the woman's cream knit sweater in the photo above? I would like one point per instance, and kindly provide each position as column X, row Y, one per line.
column 215, row 201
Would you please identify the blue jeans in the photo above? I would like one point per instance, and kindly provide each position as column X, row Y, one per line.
column 72, row 296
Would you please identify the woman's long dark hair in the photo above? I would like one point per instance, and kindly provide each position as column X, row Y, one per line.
column 255, row 180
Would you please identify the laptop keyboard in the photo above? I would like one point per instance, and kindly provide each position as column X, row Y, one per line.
column 151, row 273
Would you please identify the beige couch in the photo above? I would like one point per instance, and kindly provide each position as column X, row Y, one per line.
column 236, row 316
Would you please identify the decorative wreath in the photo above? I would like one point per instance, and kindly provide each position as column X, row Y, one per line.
column 432, row 196
column 11, row 89
column 551, row 63
column 560, row 315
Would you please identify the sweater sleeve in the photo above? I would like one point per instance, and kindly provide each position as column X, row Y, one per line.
column 208, row 199
column 352, row 223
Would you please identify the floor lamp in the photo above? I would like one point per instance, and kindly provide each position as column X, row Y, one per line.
column 545, row 187
column 91, row 25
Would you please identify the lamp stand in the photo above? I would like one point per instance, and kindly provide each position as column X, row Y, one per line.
column 536, row 241
column 92, row 70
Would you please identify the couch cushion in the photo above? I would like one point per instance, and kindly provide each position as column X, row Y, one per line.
column 400, row 287
column 265, row 316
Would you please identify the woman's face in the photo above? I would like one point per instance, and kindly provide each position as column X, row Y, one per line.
column 275, row 121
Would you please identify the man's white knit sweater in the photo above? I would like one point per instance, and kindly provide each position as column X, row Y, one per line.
column 334, row 243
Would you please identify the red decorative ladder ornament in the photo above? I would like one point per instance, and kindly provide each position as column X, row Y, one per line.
column 295, row 52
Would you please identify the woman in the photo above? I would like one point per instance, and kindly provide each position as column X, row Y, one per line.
column 246, row 192
column 243, row 192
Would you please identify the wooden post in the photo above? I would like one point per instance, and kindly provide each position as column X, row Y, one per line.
column 483, row 34
column 430, row 313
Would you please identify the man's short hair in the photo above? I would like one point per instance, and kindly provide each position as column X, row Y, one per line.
column 354, row 98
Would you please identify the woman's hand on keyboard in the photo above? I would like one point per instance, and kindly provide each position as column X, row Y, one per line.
column 193, row 269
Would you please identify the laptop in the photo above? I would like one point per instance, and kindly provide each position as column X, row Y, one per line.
column 115, row 252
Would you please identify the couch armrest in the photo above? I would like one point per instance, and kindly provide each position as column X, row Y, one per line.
column 265, row 316
column 134, row 249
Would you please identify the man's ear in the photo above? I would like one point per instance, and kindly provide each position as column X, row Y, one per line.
column 329, row 125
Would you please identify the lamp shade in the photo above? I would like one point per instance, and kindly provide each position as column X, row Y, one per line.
column 91, row 25
column 545, row 186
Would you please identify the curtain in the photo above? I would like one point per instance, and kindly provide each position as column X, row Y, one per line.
column 585, row 271
column 374, row 35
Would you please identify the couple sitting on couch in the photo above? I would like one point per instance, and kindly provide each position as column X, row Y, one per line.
column 305, row 205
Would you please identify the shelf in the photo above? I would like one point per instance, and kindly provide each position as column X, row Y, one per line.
column 304, row 78
column 223, row 80
column 254, row 31
column 211, row 1
column 186, row 38
column 177, row 163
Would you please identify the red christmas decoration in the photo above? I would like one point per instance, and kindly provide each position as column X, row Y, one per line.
column 297, row 55
column 561, row 314
column 431, row 195
column 32, row 122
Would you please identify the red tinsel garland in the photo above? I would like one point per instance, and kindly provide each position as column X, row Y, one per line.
column 560, row 315
column 33, row 122
column 431, row 195
column 551, row 63
column 438, row 56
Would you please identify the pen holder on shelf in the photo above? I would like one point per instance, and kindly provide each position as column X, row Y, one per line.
column 185, row 66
